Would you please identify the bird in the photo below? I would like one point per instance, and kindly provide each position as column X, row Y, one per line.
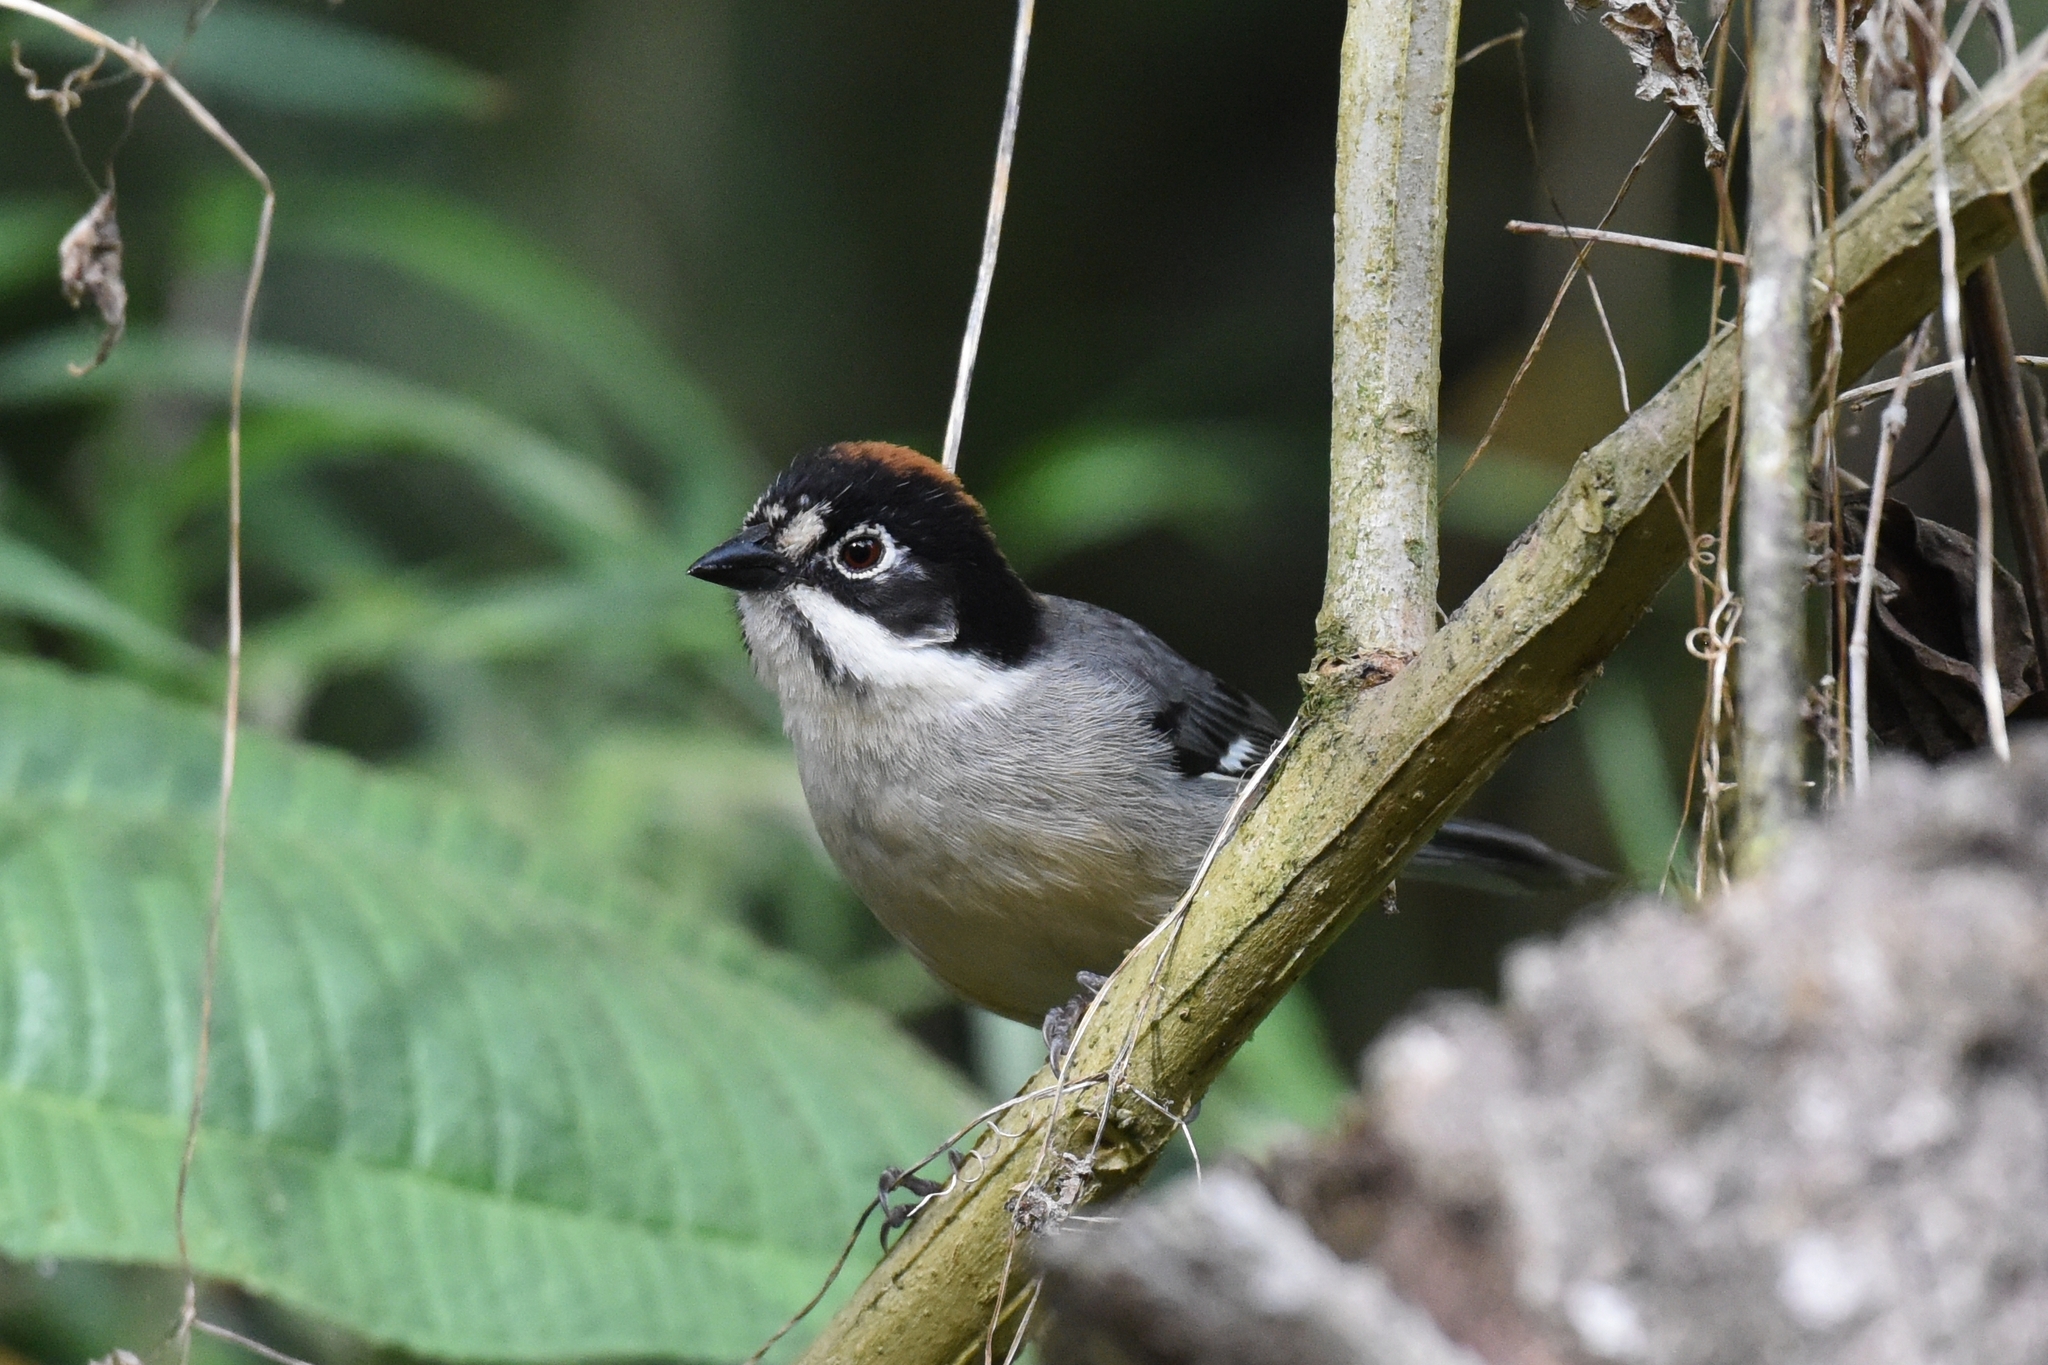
column 1019, row 786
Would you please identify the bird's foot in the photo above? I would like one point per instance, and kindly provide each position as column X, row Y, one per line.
column 896, row 1178
column 1062, row 1020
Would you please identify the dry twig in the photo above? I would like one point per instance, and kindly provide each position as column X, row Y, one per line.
column 991, row 234
column 1889, row 426
column 1579, row 234
column 2010, row 440
column 1966, row 406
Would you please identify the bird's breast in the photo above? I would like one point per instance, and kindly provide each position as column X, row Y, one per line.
column 1008, row 853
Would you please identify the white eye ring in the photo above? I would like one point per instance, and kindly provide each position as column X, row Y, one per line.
column 860, row 567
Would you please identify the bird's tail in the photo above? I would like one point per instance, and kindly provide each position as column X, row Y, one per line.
column 1483, row 857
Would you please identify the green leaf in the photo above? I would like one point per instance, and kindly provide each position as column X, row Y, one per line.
column 472, row 256
column 284, row 61
column 468, row 1098
column 1095, row 488
column 30, row 226
column 39, row 587
column 336, row 405
column 643, row 608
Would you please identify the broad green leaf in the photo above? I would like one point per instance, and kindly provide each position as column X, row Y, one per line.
column 334, row 404
column 468, row 1098
column 1096, row 488
column 290, row 61
column 474, row 257
column 641, row 607
column 727, row 813
column 30, row 226
column 37, row 586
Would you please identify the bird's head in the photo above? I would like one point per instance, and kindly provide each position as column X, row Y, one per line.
column 862, row 550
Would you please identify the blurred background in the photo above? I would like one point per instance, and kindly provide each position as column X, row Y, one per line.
column 556, row 287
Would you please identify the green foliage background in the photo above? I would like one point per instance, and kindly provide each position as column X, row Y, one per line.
column 547, row 1030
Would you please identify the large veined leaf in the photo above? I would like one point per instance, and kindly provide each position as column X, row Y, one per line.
column 650, row 603
column 474, row 257
column 325, row 403
column 467, row 1098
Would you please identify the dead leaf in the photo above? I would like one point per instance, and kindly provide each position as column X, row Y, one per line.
column 1924, row 685
column 1667, row 59
column 89, row 266
column 1838, row 80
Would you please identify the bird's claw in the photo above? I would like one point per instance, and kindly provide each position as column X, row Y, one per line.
column 1062, row 1020
column 896, row 1178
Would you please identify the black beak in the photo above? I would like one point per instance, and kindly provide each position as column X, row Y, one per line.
column 744, row 564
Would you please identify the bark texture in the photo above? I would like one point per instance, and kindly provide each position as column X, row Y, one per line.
column 1777, row 398
column 1218, row 1274
column 1393, row 166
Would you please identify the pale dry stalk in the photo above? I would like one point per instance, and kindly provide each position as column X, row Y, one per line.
column 1889, row 426
column 1966, row 408
column 1669, row 248
column 991, row 235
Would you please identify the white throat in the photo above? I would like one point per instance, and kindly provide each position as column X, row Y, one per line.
column 870, row 663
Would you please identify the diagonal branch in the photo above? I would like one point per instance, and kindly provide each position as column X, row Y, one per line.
column 1374, row 770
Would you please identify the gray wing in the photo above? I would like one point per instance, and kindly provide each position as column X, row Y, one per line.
column 1217, row 731
column 1213, row 728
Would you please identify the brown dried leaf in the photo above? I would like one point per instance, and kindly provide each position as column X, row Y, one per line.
column 1838, row 79
column 89, row 266
column 1667, row 59
column 1924, row 685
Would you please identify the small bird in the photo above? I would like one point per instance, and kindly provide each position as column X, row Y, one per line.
column 1018, row 785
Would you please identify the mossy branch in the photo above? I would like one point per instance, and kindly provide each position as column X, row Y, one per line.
column 1373, row 770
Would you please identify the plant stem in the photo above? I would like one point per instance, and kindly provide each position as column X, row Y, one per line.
column 1776, row 396
column 1393, row 167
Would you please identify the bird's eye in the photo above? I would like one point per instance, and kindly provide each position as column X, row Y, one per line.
column 859, row 554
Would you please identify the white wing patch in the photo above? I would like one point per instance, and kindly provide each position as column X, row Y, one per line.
column 1241, row 757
